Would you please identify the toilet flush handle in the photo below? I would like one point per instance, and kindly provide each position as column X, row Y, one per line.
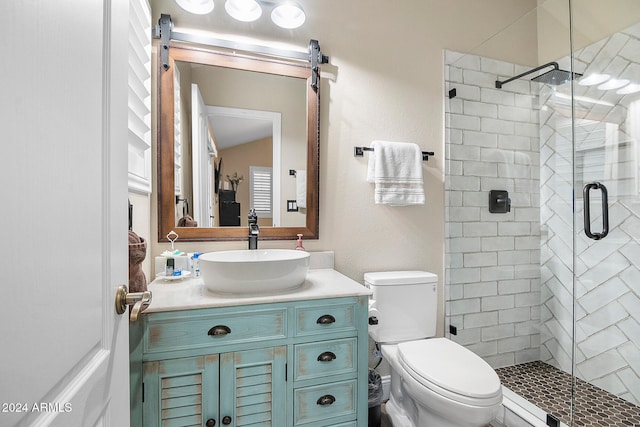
column 374, row 316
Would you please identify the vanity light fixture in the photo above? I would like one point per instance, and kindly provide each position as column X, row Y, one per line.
column 243, row 10
column 198, row 7
column 285, row 14
column 605, row 82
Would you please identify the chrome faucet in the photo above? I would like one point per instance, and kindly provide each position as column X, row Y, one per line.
column 254, row 230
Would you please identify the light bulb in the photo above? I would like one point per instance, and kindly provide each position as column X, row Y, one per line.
column 199, row 7
column 243, row 10
column 288, row 15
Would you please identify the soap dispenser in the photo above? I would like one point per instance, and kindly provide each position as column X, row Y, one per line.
column 299, row 247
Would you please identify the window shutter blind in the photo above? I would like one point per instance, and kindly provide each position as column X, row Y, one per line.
column 139, row 97
column 261, row 190
column 177, row 132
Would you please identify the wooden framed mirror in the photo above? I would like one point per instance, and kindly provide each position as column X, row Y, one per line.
column 196, row 168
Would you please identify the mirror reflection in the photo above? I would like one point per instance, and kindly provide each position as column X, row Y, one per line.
column 240, row 134
column 236, row 132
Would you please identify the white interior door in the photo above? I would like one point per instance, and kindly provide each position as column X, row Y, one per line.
column 63, row 116
column 202, row 196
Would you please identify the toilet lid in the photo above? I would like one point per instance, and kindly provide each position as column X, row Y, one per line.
column 455, row 369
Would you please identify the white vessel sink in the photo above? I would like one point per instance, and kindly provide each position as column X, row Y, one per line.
column 254, row 271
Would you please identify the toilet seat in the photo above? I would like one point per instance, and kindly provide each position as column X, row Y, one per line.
column 453, row 371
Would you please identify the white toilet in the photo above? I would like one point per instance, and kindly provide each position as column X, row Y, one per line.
column 434, row 381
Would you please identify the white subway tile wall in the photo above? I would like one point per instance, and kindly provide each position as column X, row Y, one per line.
column 493, row 266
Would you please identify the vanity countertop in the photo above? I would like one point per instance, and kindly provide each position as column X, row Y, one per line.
column 190, row 293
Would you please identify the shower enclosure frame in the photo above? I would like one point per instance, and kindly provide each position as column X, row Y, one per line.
column 481, row 288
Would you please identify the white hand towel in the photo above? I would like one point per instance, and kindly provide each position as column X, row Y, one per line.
column 396, row 170
column 301, row 188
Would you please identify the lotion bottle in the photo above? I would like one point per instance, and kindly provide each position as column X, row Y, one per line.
column 196, row 265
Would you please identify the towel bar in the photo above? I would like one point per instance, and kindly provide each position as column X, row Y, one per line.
column 359, row 152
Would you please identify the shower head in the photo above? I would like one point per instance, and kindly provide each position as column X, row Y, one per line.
column 556, row 76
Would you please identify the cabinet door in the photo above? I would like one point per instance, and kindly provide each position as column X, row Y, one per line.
column 253, row 387
column 181, row 392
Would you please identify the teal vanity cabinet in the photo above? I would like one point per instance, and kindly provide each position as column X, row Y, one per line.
column 236, row 388
column 292, row 363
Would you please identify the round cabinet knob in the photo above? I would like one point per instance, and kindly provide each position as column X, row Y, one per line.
column 210, row 422
column 226, row 420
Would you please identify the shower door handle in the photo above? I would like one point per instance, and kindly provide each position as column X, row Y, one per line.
column 587, row 211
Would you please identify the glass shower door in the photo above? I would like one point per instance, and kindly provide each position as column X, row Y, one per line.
column 606, row 125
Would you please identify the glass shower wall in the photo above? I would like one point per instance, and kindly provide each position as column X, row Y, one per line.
column 593, row 131
column 607, row 270
column 528, row 286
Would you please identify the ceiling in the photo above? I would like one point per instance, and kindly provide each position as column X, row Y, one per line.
column 232, row 131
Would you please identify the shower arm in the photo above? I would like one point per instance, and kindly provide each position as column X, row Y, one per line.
column 554, row 64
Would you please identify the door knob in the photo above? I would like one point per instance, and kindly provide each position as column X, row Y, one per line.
column 139, row 300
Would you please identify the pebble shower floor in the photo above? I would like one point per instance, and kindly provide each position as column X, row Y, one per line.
column 550, row 389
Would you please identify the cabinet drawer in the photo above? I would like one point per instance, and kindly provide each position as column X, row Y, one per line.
column 169, row 333
column 329, row 318
column 324, row 402
column 318, row 360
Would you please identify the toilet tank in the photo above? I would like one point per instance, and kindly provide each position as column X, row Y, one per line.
column 404, row 304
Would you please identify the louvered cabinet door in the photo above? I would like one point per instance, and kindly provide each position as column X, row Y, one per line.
column 253, row 387
column 181, row 392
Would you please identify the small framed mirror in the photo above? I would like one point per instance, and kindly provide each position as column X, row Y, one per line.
column 236, row 131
